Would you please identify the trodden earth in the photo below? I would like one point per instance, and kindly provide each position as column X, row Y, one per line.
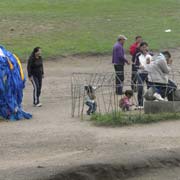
column 53, row 145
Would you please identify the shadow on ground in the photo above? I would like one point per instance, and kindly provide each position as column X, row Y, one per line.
column 116, row 171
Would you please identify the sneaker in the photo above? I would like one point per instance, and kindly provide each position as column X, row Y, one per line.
column 140, row 107
column 158, row 97
column 38, row 105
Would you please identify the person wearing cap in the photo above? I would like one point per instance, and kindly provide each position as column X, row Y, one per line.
column 119, row 60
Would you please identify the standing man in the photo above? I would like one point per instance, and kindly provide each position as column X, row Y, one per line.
column 135, row 45
column 119, row 59
column 133, row 50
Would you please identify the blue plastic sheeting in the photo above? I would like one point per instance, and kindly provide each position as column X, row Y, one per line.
column 11, row 87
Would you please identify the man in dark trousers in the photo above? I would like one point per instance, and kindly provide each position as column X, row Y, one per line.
column 133, row 50
column 119, row 60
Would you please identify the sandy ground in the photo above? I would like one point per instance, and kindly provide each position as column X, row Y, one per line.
column 53, row 141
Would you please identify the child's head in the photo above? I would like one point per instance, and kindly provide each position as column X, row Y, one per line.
column 88, row 89
column 129, row 93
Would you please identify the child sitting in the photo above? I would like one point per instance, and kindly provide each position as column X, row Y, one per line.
column 125, row 102
column 90, row 99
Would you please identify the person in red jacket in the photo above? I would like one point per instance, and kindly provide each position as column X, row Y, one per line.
column 135, row 45
column 134, row 49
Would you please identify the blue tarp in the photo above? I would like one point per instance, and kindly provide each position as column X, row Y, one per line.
column 11, row 87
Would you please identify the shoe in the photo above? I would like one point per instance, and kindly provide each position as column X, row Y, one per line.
column 139, row 108
column 158, row 97
column 38, row 105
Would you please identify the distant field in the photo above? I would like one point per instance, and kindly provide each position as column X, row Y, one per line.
column 65, row 27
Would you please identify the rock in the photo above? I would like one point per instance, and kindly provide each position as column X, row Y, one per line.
column 161, row 106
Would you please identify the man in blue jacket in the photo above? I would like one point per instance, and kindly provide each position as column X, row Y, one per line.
column 119, row 60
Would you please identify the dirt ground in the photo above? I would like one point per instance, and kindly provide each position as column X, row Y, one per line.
column 53, row 141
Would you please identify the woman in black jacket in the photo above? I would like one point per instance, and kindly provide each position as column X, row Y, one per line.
column 35, row 74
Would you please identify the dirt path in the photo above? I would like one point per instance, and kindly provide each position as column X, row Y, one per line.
column 53, row 141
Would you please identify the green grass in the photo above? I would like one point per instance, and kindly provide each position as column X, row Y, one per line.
column 122, row 119
column 65, row 27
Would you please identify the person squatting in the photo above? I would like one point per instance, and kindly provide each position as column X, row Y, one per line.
column 90, row 99
column 125, row 103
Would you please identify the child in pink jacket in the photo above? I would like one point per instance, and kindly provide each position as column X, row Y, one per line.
column 125, row 103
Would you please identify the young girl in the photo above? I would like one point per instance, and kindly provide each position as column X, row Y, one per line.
column 125, row 103
column 35, row 74
column 90, row 99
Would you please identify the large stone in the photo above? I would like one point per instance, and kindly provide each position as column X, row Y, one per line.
column 161, row 106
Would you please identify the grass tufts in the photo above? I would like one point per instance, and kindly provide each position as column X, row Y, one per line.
column 123, row 119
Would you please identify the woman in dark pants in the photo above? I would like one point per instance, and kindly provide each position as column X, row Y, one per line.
column 35, row 74
column 142, row 59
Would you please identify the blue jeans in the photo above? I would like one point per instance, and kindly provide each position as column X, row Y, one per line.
column 92, row 107
column 165, row 90
column 141, row 78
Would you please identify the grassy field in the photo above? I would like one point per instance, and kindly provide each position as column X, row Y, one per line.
column 65, row 27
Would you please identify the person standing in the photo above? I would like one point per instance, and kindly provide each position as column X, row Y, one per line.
column 135, row 45
column 142, row 59
column 133, row 50
column 35, row 74
column 119, row 60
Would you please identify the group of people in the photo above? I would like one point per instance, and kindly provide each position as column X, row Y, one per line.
column 146, row 68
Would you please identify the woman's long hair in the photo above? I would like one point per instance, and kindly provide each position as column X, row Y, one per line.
column 35, row 50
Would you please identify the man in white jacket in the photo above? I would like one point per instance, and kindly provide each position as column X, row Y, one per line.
column 158, row 71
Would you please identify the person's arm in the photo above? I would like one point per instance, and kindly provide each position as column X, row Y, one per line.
column 29, row 64
column 134, row 58
column 123, row 58
column 42, row 68
column 136, row 61
column 164, row 67
column 120, row 55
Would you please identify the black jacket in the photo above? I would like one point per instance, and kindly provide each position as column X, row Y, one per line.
column 35, row 66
